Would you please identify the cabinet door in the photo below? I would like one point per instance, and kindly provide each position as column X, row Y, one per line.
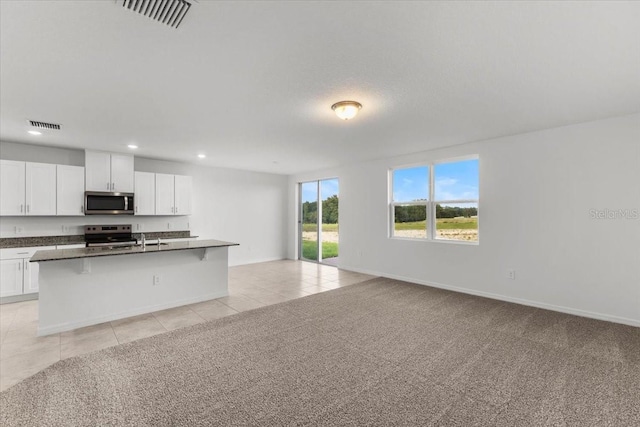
column 12, row 187
column 183, row 195
column 122, row 173
column 97, row 170
column 10, row 277
column 31, row 271
column 41, row 189
column 164, row 194
column 70, row 190
column 145, row 193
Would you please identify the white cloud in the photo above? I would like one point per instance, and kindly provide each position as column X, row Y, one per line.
column 446, row 182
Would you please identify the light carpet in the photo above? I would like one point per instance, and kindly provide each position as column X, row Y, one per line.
column 382, row 352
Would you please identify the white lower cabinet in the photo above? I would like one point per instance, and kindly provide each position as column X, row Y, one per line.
column 10, row 277
column 30, row 278
column 18, row 275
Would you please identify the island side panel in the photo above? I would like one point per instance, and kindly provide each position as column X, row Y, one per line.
column 123, row 285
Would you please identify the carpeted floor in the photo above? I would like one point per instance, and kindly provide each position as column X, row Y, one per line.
column 381, row 352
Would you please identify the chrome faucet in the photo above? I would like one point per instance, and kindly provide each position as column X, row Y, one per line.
column 143, row 241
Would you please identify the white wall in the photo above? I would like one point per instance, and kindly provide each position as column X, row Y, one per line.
column 537, row 191
column 239, row 206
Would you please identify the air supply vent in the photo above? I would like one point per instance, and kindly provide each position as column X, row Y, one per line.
column 169, row 12
column 43, row 125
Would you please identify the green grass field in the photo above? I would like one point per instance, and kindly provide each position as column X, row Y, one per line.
column 309, row 249
column 325, row 227
column 441, row 224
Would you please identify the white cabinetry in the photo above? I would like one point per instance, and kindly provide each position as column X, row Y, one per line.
column 18, row 275
column 108, row 172
column 164, row 194
column 182, row 195
column 173, row 194
column 27, row 188
column 40, row 192
column 12, row 188
column 70, row 190
column 10, row 277
column 145, row 193
column 122, row 173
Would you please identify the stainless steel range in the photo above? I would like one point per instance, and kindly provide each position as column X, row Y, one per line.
column 108, row 236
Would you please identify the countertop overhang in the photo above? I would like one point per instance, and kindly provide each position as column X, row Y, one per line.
column 64, row 254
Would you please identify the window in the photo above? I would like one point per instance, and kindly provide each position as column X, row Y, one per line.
column 436, row 201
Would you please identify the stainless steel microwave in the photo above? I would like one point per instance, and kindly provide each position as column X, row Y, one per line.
column 104, row 203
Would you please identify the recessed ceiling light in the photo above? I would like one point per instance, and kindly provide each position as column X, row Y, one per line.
column 34, row 132
column 346, row 109
column 132, row 146
column 201, row 156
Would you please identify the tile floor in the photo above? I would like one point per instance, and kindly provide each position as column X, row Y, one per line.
column 23, row 354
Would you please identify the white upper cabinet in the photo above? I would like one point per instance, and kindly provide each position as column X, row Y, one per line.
column 70, row 190
column 97, row 168
column 182, row 195
column 40, row 195
column 173, row 194
column 122, row 173
column 12, row 187
column 108, row 172
column 27, row 188
column 145, row 193
column 165, row 203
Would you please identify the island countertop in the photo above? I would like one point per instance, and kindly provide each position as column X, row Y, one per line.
column 63, row 254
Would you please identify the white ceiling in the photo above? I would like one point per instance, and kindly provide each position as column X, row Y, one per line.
column 251, row 83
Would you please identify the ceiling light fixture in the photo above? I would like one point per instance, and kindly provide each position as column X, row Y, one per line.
column 132, row 146
column 346, row 109
column 34, row 132
column 201, row 156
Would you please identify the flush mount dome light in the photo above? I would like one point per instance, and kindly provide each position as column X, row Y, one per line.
column 346, row 109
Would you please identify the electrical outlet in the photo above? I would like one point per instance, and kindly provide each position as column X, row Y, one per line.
column 157, row 279
column 511, row 274
column 168, row 226
column 19, row 230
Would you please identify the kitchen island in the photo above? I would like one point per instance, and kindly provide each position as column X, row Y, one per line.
column 87, row 286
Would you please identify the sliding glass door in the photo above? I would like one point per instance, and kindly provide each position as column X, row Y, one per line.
column 318, row 221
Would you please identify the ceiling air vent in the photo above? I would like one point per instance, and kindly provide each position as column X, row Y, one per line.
column 170, row 12
column 43, row 125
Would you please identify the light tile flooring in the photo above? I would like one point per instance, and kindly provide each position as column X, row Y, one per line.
column 23, row 354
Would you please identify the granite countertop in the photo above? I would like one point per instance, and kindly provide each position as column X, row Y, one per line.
column 64, row 254
column 25, row 242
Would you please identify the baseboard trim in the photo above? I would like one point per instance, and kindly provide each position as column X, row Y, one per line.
column 258, row 261
column 521, row 301
column 63, row 327
column 18, row 298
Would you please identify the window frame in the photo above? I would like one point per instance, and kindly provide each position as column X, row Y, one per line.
column 430, row 203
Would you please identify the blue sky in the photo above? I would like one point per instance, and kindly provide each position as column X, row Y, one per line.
column 453, row 181
column 328, row 188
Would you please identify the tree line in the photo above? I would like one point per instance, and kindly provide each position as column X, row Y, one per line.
column 329, row 211
column 402, row 213
column 419, row 213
